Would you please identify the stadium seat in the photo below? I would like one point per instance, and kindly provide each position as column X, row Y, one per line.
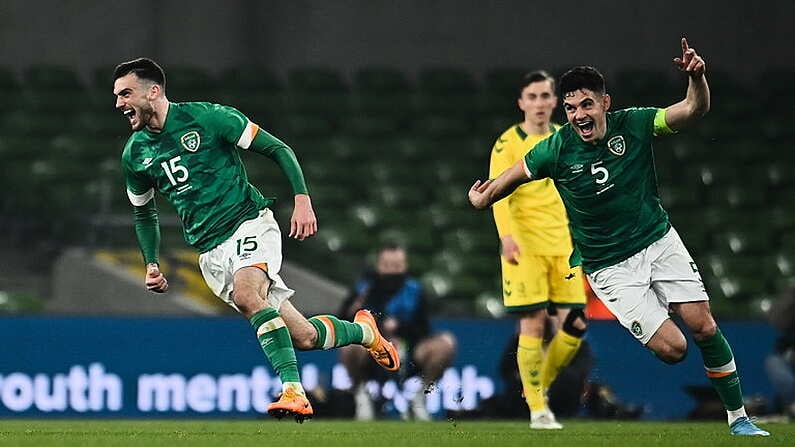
column 742, row 242
column 784, row 263
column 317, row 90
column 449, row 91
column 109, row 123
column 35, row 124
column 370, row 126
column 680, row 197
column 395, row 195
column 712, row 174
column 256, row 92
column 190, row 83
column 11, row 91
column 301, row 125
column 51, row 77
column 747, row 197
column 54, row 87
column 441, row 126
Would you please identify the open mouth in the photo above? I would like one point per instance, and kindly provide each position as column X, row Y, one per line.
column 129, row 113
column 586, row 128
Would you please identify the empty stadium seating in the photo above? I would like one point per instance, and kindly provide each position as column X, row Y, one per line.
column 389, row 156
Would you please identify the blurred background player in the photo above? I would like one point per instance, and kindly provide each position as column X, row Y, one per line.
column 188, row 153
column 398, row 299
column 602, row 163
column 535, row 245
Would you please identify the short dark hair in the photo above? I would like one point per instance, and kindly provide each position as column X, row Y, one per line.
column 582, row 77
column 536, row 76
column 144, row 68
column 390, row 245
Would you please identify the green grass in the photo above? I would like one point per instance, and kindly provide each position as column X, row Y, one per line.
column 286, row 433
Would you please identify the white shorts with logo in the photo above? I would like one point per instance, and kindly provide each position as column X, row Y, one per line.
column 639, row 290
column 257, row 242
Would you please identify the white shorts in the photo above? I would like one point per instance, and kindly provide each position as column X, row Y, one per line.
column 257, row 242
column 639, row 290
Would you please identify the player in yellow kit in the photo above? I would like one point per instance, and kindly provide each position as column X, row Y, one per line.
column 535, row 245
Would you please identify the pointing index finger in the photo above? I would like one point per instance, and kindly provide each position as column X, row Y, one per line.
column 685, row 47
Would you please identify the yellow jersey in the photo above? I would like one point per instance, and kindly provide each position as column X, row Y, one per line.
column 533, row 214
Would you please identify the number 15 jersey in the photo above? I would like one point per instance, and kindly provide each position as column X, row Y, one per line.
column 609, row 188
column 194, row 162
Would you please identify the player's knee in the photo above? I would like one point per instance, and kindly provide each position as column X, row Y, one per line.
column 575, row 323
column 705, row 330
column 247, row 301
column 672, row 353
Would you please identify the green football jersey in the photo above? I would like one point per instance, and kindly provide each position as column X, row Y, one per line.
column 194, row 162
column 609, row 188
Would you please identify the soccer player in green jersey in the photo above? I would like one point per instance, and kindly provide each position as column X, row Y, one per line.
column 188, row 152
column 602, row 165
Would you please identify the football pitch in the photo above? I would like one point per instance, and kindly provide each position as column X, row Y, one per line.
column 375, row 434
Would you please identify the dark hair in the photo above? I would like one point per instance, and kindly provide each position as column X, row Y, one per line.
column 536, row 76
column 144, row 68
column 390, row 245
column 582, row 77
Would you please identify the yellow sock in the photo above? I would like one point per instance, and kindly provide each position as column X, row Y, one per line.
column 529, row 356
column 559, row 353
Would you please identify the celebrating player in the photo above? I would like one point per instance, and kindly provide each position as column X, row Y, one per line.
column 535, row 245
column 188, row 153
column 601, row 163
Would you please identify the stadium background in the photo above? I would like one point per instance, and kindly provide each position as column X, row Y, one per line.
column 392, row 108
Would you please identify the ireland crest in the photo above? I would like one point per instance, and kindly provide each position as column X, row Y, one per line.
column 190, row 141
column 617, row 145
column 636, row 329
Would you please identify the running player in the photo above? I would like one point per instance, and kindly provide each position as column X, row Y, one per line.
column 188, row 152
column 602, row 165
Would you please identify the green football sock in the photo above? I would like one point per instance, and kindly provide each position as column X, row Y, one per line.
column 276, row 343
column 333, row 332
column 721, row 370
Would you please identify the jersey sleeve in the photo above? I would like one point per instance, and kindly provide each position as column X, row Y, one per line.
column 231, row 125
column 539, row 162
column 645, row 118
column 140, row 189
column 500, row 161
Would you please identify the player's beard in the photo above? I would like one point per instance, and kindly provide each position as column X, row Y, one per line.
column 144, row 115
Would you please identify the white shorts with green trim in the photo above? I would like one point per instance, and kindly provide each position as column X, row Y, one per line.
column 256, row 243
column 640, row 289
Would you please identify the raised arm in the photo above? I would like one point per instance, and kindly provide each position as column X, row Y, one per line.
column 696, row 102
column 484, row 194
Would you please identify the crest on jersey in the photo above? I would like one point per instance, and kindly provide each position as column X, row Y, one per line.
column 191, row 141
column 617, row 145
column 636, row 329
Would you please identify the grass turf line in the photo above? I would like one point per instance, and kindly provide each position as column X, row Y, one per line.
column 338, row 433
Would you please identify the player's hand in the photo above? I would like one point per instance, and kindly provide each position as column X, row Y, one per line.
column 690, row 62
column 155, row 281
column 509, row 250
column 477, row 195
column 303, row 224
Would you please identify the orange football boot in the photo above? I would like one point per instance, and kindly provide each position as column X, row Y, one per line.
column 382, row 351
column 291, row 403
